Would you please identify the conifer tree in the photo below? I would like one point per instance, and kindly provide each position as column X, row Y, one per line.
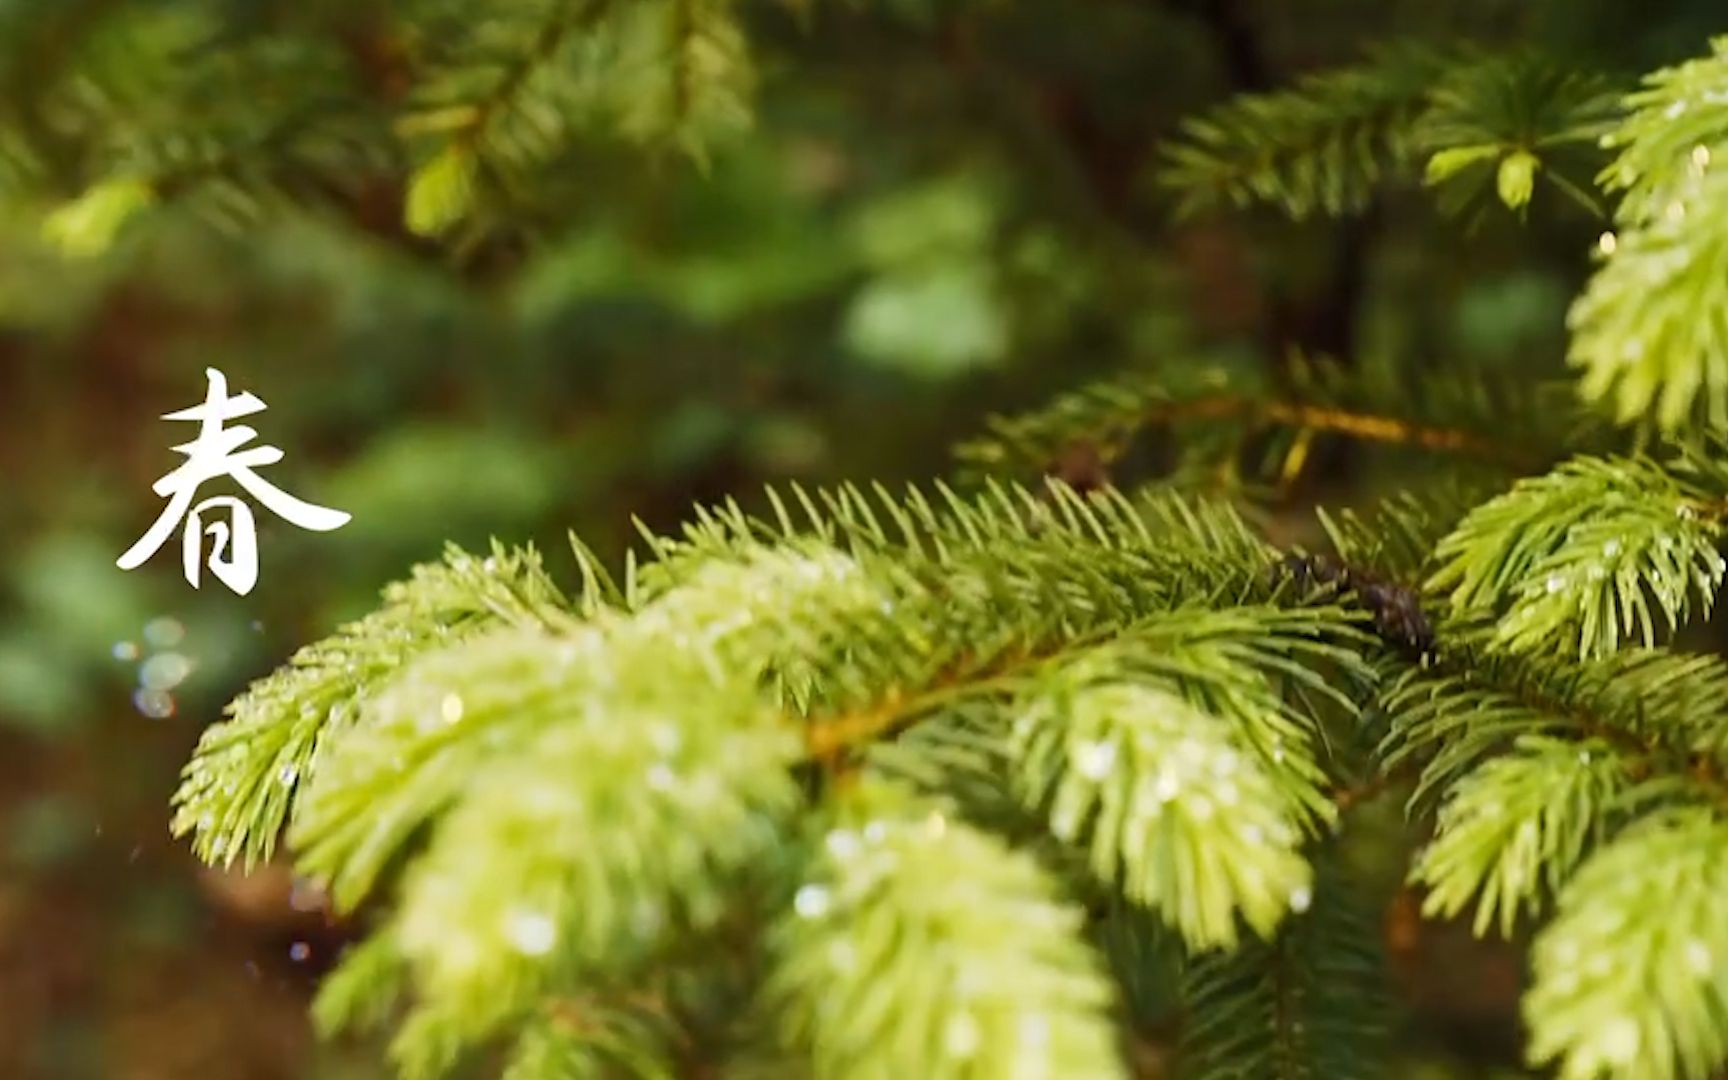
column 937, row 781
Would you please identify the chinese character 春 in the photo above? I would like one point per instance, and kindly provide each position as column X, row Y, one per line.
column 216, row 452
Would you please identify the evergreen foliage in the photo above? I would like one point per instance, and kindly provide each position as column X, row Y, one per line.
column 473, row 113
column 1466, row 121
column 853, row 785
column 1648, row 331
column 1580, row 555
column 1310, row 1000
column 1233, row 427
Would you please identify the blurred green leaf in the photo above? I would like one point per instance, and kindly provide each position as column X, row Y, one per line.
column 1503, row 315
column 933, row 323
column 441, row 192
column 1516, row 178
column 420, row 481
column 87, row 225
column 38, row 688
column 79, row 601
column 1447, row 163
column 696, row 432
column 941, row 218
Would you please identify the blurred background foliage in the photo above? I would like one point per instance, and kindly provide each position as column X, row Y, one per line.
column 882, row 221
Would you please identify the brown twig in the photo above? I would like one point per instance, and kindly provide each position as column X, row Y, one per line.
column 1371, row 427
column 829, row 739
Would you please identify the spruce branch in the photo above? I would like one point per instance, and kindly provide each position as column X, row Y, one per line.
column 839, row 784
column 1318, row 148
column 1395, row 538
column 591, row 1041
column 151, row 114
column 1677, row 110
column 235, row 120
column 1629, row 979
column 693, row 74
column 918, row 945
column 1478, row 122
column 366, row 988
column 1456, row 413
column 419, row 743
column 508, row 97
column 496, row 89
column 961, row 755
column 579, row 881
column 1538, row 765
column 727, row 582
column 1455, row 713
column 1129, row 674
column 1598, row 552
column 967, row 589
column 1581, row 784
column 1311, row 1002
column 1513, row 830
column 1651, row 329
column 1172, row 809
column 1497, row 126
column 241, row 784
column 474, row 771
